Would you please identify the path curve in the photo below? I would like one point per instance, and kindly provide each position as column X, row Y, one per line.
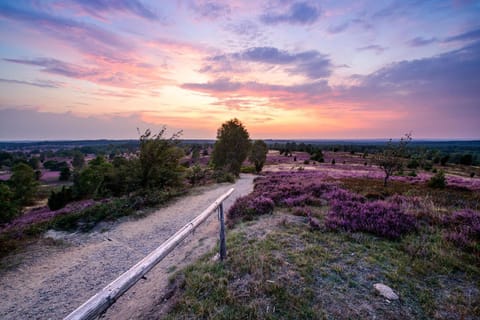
column 52, row 281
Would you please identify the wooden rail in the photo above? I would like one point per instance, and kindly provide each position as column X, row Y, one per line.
column 100, row 302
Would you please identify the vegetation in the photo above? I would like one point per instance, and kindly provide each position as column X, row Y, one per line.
column 390, row 159
column 8, row 209
column 159, row 160
column 438, row 180
column 23, row 184
column 232, row 147
column 280, row 266
column 258, row 154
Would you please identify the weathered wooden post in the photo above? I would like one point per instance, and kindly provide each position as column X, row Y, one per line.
column 223, row 244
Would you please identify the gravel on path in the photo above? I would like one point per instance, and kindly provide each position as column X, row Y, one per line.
column 51, row 281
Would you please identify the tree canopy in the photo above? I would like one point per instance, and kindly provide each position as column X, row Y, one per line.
column 232, row 147
column 390, row 159
column 258, row 155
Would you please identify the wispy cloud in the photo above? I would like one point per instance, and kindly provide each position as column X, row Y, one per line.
column 311, row 64
column 297, row 13
column 373, row 47
column 98, row 8
column 466, row 36
column 35, row 83
column 420, row 41
column 102, row 72
column 209, row 9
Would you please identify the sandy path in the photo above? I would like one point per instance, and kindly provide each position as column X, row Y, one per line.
column 50, row 282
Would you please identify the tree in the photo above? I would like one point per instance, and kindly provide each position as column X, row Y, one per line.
column 390, row 158
column 78, row 160
column 8, row 210
column 231, row 148
column 258, row 155
column 23, row 183
column 65, row 174
column 160, row 160
column 90, row 181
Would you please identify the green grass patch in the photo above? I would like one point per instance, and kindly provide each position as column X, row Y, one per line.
column 295, row 273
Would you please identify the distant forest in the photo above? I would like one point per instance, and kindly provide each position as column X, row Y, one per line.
column 458, row 152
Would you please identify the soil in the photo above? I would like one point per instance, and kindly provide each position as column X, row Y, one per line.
column 50, row 279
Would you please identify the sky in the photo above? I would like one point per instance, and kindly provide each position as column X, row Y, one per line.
column 330, row 69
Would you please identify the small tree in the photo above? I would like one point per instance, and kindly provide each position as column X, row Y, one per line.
column 8, row 210
column 65, row 174
column 438, row 181
column 160, row 160
column 231, row 148
column 90, row 181
column 390, row 158
column 78, row 160
column 258, row 155
column 23, row 183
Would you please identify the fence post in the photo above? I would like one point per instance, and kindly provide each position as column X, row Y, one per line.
column 223, row 245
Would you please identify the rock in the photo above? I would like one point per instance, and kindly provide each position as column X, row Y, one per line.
column 385, row 291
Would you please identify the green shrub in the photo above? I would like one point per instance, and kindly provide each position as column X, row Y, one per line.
column 223, row 176
column 86, row 219
column 248, row 169
column 58, row 200
column 8, row 210
column 438, row 180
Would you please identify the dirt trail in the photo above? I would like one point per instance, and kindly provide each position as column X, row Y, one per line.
column 51, row 281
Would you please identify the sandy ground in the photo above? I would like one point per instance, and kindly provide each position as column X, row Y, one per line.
column 50, row 281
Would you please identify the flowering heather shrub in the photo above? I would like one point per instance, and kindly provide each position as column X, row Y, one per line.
column 44, row 214
column 248, row 207
column 463, row 229
column 381, row 218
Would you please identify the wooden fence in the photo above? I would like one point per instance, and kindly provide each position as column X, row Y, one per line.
column 100, row 302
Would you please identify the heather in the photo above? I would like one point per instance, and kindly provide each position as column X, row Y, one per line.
column 332, row 235
column 463, row 229
column 378, row 217
column 348, row 211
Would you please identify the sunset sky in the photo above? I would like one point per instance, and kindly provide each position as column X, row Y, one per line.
column 89, row 69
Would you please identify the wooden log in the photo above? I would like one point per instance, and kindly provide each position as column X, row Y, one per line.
column 97, row 304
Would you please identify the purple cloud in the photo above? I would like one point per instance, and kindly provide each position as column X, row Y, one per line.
column 36, row 83
column 134, row 7
column 55, row 66
column 297, row 13
column 211, row 10
column 419, row 41
column 89, row 38
column 467, row 36
column 373, row 47
column 312, row 64
column 338, row 28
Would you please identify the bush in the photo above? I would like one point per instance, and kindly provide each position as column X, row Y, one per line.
column 438, row 180
column 249, row 169
column 65, row 174
column 463, row 229
column 379, row 217
column 86, row 219
column 248, row 207
column 58, row 200
column 317, row 156
column 223, row 176
column 8, row 210
column 195, row 174
column 258, row 154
